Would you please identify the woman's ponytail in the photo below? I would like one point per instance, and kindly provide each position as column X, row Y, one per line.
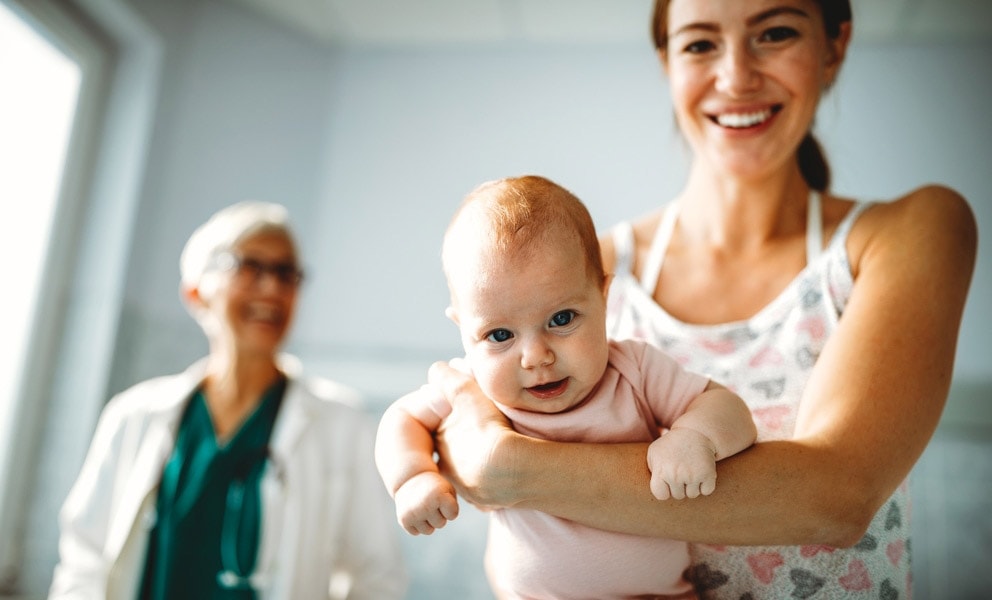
column 813, row 164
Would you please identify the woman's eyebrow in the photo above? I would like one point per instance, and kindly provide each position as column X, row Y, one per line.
column 751, row 21
column 774, row 12
column 698, row 26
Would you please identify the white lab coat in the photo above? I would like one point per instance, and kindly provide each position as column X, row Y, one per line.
column 325, row 515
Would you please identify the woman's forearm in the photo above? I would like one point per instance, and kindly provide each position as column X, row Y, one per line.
column 765, row 495
column 779, row 492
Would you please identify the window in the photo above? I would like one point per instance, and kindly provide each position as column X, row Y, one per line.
column 46, row 62
column 41, row 88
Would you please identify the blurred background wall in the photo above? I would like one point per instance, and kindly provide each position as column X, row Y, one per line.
column 370, row 131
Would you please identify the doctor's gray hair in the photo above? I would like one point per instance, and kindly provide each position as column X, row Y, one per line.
column 224, row 230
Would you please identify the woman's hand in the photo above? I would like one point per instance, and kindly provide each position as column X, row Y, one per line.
column 473, row 441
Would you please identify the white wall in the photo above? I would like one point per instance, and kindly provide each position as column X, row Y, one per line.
column 371, row 150
column 910, row 115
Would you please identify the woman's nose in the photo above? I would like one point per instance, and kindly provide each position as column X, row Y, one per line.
column 537, row 353
column 737, row 73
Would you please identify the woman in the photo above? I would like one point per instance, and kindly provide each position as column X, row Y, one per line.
column 836, row 321
column 238, row 478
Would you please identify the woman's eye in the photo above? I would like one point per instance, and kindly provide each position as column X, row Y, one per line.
column 562, row 318
column 698, row 47
column 250, row 267
column 499, row 336
column 778, row 34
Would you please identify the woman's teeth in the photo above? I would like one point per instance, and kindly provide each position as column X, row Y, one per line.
column 741, row 120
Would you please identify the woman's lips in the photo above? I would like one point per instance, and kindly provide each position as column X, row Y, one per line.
column 549, row 390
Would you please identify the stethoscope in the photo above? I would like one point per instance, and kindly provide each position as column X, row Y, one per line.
column 232, row 576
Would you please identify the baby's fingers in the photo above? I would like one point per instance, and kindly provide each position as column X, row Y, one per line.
column 425, row 524
column 416, row 525
column 449, row 507
column 708, row 485
column 419, row 528
column 692, row 490
column 437, row 520
column 659, row 487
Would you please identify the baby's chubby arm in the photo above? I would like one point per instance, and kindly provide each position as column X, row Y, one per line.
column 715, row 425
column 404, row 456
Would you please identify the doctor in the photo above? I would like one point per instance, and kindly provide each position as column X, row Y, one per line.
column 237, row 478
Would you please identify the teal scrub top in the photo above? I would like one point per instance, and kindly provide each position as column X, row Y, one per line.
column 205, row 539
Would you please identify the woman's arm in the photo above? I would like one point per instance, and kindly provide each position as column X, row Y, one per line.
column 869, row 409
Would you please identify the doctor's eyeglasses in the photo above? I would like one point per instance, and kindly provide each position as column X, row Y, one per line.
column 248, row 271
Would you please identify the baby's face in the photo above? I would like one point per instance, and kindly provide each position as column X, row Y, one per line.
column 533, row 328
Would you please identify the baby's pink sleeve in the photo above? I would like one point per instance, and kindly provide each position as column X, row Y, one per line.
column 667, row 386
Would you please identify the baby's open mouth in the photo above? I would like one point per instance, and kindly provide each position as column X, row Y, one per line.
column 549, row 390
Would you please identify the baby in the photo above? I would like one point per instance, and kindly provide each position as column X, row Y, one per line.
column 528, row 293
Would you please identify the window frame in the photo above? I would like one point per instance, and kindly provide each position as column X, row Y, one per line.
column 68, row 30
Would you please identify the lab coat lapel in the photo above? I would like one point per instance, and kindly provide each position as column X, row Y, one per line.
column 146, row 473
column 151, row 447
column 277, row 484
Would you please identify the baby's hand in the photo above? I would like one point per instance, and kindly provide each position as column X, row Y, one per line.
column 426, row 502
column 682, row 464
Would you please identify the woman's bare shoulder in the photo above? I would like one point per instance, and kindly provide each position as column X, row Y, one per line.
column 932, row 219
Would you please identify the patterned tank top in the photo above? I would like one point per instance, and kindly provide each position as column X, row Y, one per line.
column 767, row 359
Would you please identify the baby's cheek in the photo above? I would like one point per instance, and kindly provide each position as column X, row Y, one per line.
column 496, row 385
column 489, row 384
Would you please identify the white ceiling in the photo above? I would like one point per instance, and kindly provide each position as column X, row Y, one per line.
column 429, row 22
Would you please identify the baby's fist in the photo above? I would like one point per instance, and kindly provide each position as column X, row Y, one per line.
column 682, row 464
column 426, row 502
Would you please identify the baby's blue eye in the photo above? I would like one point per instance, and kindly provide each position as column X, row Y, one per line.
column 499, row 336
column 562, row 318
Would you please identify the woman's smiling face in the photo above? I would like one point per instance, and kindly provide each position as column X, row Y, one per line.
column 746, row 78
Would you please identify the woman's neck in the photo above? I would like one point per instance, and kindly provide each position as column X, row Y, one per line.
column 735, row 214
column 235, row 382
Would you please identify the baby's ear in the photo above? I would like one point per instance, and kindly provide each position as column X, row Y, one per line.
column 451, row 314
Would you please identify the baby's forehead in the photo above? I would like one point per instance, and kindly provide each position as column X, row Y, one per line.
column 480, row 253
column 477, row 243
column 484, row 265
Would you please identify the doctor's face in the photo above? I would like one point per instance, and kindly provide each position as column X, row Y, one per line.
column 253, row 301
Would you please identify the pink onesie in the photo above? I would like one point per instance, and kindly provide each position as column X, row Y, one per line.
column 533, row 555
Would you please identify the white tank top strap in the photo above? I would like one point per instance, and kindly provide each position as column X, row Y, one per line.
column 623, row 247
column 659, row 245
column 840, row 235
column 814, row 227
